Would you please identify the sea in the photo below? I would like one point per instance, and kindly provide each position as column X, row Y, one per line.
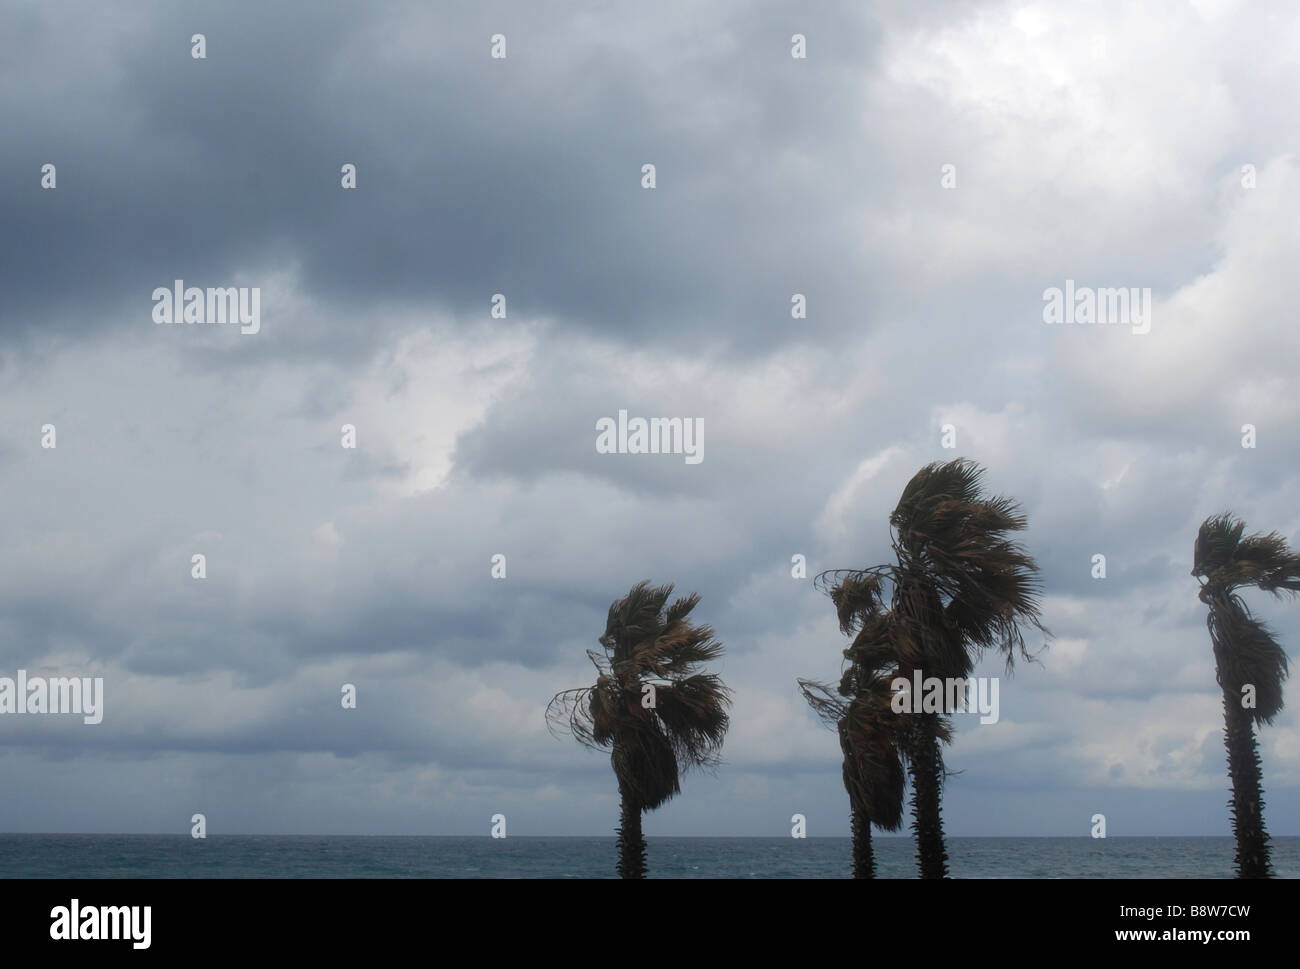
column 307, row 856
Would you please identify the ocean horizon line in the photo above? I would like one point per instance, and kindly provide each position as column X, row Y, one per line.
column 611, row 837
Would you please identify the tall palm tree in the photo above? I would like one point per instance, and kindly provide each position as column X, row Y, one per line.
column 962, row 585
column 650, row 706
column 861, row 712
column 1249, row 663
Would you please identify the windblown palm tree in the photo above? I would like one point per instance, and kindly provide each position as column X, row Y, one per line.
column 861, row 712
column 961, row 586
column 650, row 706
column 1249, row 663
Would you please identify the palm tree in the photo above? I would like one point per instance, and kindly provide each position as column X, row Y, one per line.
column 650, row 706
column 861, row 712
column 1249, row 663
column 961, row 585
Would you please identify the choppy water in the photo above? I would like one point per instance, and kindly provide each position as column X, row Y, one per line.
column 274, row 856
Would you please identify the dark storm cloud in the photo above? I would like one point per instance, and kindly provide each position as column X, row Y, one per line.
column 476, row 176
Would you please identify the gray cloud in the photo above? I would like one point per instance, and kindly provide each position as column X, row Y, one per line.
column 476, row 436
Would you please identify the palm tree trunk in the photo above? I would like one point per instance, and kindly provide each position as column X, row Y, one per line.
column 925, row 766
column 1247, row 805
column 864, row 860
column 1247, row 795
column 631, row 843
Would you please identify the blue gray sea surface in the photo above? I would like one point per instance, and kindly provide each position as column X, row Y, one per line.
column 275, row 856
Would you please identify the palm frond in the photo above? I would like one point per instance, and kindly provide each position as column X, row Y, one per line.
column 1224, row 556
column 650, row 647
column 965, row 582
column 1247, row 654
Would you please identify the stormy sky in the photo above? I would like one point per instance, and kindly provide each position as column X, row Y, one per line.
column 1106, row 144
